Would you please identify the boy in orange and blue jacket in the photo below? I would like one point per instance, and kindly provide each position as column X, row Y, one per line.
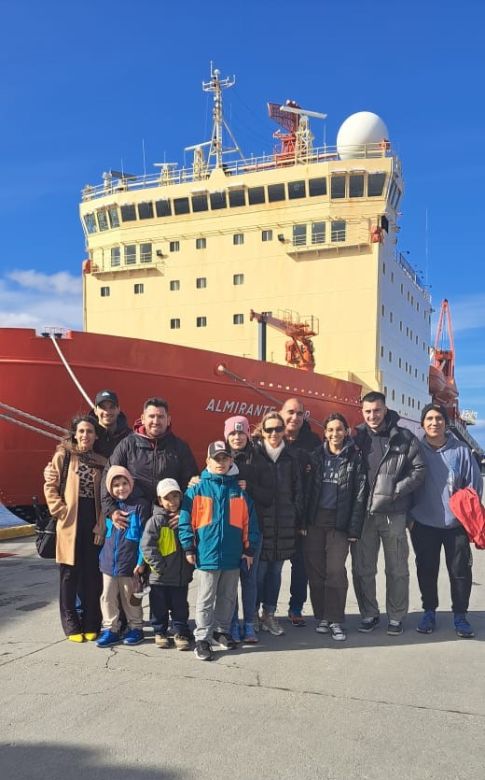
column 217, row 528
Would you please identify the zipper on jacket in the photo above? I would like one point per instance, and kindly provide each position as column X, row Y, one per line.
column 115, row 553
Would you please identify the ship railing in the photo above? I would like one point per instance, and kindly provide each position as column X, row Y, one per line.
column 187, row 174
column 412, row 273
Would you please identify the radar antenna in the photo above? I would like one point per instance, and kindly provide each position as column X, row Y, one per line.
column 297, row 142
column 216, row 147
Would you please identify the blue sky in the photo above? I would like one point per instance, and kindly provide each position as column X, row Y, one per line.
column 83, row 86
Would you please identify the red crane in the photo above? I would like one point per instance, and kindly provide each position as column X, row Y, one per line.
column 442, row 385
column 299, row 349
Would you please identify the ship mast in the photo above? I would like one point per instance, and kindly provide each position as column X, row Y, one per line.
column 216, row 146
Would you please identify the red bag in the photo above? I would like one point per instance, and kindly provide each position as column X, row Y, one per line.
column 469, row 510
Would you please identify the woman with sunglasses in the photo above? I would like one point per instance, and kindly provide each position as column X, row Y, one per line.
column 336, row 511
column 80, row 528
column 281, row 520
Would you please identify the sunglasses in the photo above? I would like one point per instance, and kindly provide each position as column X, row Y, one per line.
column 278, row 429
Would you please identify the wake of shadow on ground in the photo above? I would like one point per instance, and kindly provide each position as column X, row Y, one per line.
column 57, row 762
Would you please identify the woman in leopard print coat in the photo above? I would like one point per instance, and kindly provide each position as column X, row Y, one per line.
column 80, row 528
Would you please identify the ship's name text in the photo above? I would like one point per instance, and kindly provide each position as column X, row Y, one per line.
column 237, row 407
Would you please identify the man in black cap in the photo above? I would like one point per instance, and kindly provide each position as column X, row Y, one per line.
column 112, row 421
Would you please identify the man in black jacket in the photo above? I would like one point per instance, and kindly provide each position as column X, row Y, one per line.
column 113, row 425
column 395, row 468
column 300, row 438
column 151, row 453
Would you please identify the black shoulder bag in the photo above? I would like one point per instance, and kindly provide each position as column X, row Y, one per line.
column 46, row 525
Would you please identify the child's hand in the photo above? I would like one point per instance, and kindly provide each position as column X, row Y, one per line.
column 242, row 484
column 139, row 569
column 190, row 558
column 98, row 539
column 194, row 481
column 173, row 520
column 249, row 560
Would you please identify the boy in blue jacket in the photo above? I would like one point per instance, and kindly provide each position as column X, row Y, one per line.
column 120, row 559
column 217, row 528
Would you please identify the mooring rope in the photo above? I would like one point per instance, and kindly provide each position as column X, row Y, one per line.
column 30, row 427
column 21, row 413
column 71, row 372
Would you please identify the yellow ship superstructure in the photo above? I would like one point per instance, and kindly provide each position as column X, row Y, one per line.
column 183, row 257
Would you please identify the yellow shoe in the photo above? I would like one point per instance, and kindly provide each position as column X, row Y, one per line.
column 90, row 637
column 76, row 637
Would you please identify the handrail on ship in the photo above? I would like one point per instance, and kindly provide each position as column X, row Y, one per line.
column 233, row 168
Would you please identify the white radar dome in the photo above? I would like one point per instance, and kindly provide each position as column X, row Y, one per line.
column 358, row 132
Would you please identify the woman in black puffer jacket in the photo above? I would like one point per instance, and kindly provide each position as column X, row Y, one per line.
column 282, row 519
column 336, row 510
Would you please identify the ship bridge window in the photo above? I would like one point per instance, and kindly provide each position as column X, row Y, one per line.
column 337, row 186
column 317, row 187
column 238, row 238
column 356, row 185
column 175, row 284
column 199, row 202
column 104, row 292
column 145, row 253
column 238, row 319
column 201, row 282
column 338, row 230
column 102, row 220
column 139, row 288
column 276, row 192
column 318, row 232
column 163, row 208
column 90, row 223
column 237, row 198
column 299, row 235
column 200, row 243
column 384, row 223
column 266, row 235
column 130, row 254
column 128, row 212
column 114, row 219
column 296, row 189
column 201, row 322
column 218, row 200
column 181, row 206
column 375, row 184
column 175, row 324
column 174, row 246
column 115, row 256
column 145, row 210
column 255, row 195
column 238, row 279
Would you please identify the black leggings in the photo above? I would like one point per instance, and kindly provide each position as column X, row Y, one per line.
column 84, row 578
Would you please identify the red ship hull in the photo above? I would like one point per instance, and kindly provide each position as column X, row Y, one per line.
column 200, row 394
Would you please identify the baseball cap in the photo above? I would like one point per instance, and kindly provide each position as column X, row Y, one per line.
column 217, row 448
column 166, row 486
column 236, row 424
column 106, row 395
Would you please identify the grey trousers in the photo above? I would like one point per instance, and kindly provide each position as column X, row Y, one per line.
column 216, row 600
column 391, row 530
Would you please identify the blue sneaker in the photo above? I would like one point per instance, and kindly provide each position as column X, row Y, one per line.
column 108, row 638
column 462, row 626
column 133, row 637
column 427, row 624
column 236, row 631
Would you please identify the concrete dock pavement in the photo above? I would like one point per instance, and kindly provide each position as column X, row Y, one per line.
column 297, row 706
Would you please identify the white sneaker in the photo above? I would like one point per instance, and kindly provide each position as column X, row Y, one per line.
column 337, row 632
column 270, row 623
column 323, row 627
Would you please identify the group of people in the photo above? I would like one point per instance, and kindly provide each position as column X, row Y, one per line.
column 132, row 509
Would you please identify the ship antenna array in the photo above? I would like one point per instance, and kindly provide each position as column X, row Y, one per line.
column 216, row 149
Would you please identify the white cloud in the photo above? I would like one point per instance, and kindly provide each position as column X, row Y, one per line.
column 29, row 299
column 62, row 283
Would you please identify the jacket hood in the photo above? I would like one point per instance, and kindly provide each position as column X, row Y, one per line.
column 231, row 474
column 451, row 442
column 118, row 471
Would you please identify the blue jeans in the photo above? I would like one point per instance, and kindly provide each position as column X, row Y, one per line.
column 299, row 579
column 269, row 584
column 249, row 587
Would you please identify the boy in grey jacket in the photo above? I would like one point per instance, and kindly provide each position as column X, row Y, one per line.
column 170, row 573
